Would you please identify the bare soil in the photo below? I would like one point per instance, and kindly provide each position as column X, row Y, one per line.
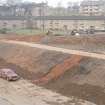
column 27, row 38
column 94, row 43
column 86, row 81
column 90, row 43
column 35, row 62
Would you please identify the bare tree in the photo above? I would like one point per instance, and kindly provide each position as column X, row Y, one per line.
column 13, row 2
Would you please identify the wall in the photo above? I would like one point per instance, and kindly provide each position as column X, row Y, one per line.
column 55, row 24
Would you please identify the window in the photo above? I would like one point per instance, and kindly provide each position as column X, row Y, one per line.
column 14, row 25
column 65, row 27
column 92, row 27
column 91, row 9
column 4, row 24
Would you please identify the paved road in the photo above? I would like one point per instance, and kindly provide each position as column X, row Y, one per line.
column 63, row 50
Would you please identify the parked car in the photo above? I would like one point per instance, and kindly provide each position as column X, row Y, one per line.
column 8, row 74
column 75, row 33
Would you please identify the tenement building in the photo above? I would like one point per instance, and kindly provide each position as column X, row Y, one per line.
column 92, row 7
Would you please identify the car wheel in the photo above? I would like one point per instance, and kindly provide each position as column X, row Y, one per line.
column 8, row 79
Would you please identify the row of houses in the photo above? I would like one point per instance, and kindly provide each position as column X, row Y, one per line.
column 86, row 8
column 92, row 7
column 54, row 22
column 23, row 9
column 89, row 14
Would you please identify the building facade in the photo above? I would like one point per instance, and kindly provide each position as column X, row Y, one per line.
column 90, row 14
column 92, row 7
column 55, row 22
column 85, row 8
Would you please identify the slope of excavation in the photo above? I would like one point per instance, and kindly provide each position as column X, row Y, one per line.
column 56, row 49
column 34, row 61
column 27, row 38
column 59, row 69
column 86, row 80
column 92, row 43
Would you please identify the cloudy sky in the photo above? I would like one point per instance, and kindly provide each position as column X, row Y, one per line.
column 55, row 2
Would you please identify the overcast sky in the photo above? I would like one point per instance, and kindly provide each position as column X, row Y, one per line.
column 55, row 2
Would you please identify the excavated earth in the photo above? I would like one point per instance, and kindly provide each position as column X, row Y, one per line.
column 94, row 43
column 90, row 43
column 85, row 80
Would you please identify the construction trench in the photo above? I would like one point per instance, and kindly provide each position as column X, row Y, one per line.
column 68, row 74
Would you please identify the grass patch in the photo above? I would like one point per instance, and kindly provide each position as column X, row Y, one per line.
column 36, row 32
column 27, row 31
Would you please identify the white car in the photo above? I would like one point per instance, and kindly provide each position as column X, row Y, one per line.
column 8, row 74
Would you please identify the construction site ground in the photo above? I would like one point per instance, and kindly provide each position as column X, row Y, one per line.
column 85, row 79
column 89, row 43
column 23, row 92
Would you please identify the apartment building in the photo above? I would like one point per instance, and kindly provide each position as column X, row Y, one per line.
column 23, row 9
column 89, row 15
column 92, row 7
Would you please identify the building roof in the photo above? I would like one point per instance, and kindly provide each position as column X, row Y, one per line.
column 53, row 18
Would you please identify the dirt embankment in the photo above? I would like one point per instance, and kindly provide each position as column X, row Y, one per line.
column 85, row 43
column 27, row 38
column 60, row 69
column 91, row 43
column 86, row 81
column 75, row 40
column 36, row 61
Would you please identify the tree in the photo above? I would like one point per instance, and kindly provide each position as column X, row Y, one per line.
column 13, row 2
column 70, row 4
column 2, row 2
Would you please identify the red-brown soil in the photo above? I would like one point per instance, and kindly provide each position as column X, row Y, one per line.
column 86, row 80
column 91, row 43
column 59, row 69
column 27, row 38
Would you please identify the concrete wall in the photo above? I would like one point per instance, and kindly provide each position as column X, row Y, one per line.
column 74, row 24
column 55, row 24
